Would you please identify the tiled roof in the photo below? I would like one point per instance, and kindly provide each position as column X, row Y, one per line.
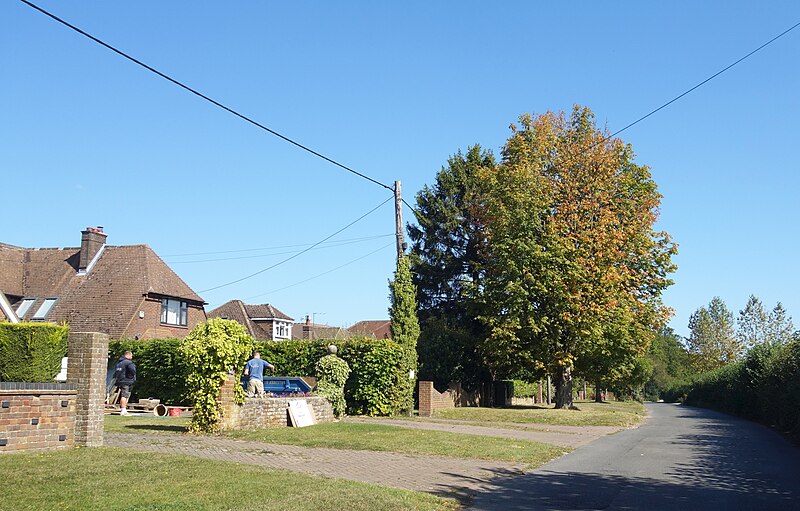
column 103, row 300
column 245, row 314
column 380, row 328
column 319, row 332
column 265, row 311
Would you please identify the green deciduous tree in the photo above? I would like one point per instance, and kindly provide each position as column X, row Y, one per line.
column 571, row 249
column 752, row 324
column 712, row 340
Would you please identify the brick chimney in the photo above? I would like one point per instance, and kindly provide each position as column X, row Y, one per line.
column 92, row 240
column 307, row 328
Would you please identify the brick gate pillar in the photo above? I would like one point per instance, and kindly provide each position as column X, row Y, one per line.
column 87, row 368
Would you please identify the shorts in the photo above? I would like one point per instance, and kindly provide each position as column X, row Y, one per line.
column 255, row 387
column 125, row 390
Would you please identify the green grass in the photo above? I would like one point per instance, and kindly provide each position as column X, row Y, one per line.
column 621, row 414
column 145, row 424
column 377, row 437
column 366, row 437
column 119, row 479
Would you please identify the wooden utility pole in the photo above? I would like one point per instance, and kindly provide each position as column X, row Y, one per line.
column 398, row 220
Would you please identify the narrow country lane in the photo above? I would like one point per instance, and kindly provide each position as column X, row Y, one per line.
column 682, row 458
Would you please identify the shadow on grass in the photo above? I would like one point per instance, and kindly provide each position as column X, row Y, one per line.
column 143, row 428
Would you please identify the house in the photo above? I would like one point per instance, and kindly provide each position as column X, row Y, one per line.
column 309, row 330
column 379, row 329
column 262, row 321
column 127, row 291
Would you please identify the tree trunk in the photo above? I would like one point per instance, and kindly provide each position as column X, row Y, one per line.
column 563, row 381
column 549, row 399
column 598, row 395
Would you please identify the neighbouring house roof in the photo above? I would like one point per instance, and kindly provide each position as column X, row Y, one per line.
column 104, row 299
column 316, row 331
column 378, row 328
column 253, row 317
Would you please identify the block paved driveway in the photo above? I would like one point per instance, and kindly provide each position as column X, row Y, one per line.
column 442, row 476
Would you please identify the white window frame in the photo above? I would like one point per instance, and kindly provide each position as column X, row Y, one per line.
column 24, row 306
column 181, row 314
column 44, row 309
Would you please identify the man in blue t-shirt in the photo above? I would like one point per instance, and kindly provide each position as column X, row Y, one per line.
column 255, row 370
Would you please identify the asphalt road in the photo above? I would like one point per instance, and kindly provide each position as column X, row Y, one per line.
column 682, row 458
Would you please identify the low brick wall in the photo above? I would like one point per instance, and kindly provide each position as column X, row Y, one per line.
column 36, row 416
column 267, row 412
column 273, row 412
column 431, row 399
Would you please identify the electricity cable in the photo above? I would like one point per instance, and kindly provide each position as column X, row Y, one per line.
column 339, row 242
column 323, row 273
column 301, row 252
column 203, row 96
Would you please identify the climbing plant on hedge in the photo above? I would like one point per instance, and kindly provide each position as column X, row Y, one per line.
column 212, row 350
column 31, row 352
column 332, row 373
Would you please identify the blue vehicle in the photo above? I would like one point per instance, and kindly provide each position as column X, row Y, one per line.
column 281, row 384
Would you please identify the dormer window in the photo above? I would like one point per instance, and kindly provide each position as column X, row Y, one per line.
column 24, row 307
column 44, row 309
column 174, row 312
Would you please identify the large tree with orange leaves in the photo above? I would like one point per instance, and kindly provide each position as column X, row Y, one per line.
column 574, row 268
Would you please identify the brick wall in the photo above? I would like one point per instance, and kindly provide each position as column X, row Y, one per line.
column 150, row 327
column 268, row 412
column 36, row 416
column 43, row 416
column 431, row 399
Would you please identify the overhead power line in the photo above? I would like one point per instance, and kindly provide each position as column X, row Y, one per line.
column 301, row 252
column 321, row 274
column 679, row 96
column 332, row 244
column 203, row 96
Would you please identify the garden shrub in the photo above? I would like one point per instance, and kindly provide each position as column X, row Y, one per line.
column 161, row 370
column 213, row 350
column 523, row 389
column 764, row 386
column 32, row 352
column 332, row 373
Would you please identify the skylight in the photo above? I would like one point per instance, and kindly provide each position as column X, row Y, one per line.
column 41, row 313
column 24, row 306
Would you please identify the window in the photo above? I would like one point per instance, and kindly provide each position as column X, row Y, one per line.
column 24, row 306
column 42, row 311
column 282, row 330
column 173, row 312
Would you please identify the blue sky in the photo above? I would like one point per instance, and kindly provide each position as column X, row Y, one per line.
column 391, row 90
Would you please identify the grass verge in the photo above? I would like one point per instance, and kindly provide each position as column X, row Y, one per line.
column 377, row 437
column 119, row 479
column 367, row 437
column 620, row 414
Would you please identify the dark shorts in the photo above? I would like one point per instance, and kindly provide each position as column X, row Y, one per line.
column 124, row 390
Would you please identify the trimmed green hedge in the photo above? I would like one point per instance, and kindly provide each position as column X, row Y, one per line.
column 32, row 352
column 375, row 386
column 377, row 381
column 523, row 389
column 161, row 372
column 764, row 386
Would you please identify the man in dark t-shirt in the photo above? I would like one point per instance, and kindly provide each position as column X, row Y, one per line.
column 125, row 374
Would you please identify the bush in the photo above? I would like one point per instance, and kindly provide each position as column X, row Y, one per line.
column 332, row 373
column 524, row 389
column 32, row 352
column 378, row 382
column 161, row 371
column 213, row 350
column 764, row 386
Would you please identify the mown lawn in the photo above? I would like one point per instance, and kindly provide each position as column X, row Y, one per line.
column 621, row 414
column 377, row 437
column 368, row 437
column 120, row 479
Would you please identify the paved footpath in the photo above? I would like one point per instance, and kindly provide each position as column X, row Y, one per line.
column 563, row 436
column 682, row 458
column 439, row 475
